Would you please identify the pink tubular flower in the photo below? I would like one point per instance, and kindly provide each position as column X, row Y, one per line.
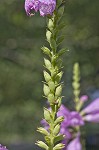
column 72, row 118
column 76, row 119
column 75, row 144
column 92, row 117
column 94, row 106
column 3, row 147
column 45, row 7
column 84, row 98
column 31, row 5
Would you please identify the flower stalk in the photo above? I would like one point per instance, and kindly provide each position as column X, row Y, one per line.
column 52, row 74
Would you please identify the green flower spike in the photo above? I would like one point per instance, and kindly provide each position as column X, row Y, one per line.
column 52, row 74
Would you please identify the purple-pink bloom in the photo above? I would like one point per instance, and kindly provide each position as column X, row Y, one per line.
column 84, row 98
column 92, row 107
column 75, row 144
column 72, row 118
column 63, row 111
column 75, row 119
column 45, row 124
column 31, row 5
column 92, row 117
column 45, row 7
column 3, row 147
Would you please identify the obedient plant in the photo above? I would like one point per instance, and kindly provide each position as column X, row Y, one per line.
column 60, row 124
column 61, row 127
column 3, row 147
column 53, row 10
column 73, row 120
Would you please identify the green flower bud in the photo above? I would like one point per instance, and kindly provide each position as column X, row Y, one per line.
column 47, row 115
column 53, row 73
column 76, row 93
column 47, row 76
column 42, row 145
column 51, row 85
column 48, row 35
column 59, row 146
column 50, row 24
column 51, row 98
column 58, row 90
column 46, row 51
column 47, row 63
column 59, row 76
column 76, row 85
column 59, row 100
column 59, row 120
column 56, row 129
column 42, row 130
column 46, row 90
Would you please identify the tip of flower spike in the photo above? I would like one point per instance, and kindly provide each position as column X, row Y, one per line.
column 45, row 7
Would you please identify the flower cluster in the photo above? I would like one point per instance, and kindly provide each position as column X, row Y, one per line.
column 45, row 7
column 3, row 147
column 73, row 119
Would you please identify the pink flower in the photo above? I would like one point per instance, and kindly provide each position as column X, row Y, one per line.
column 45, row 7
column 75, row 144
column 92, row 117
column 93, row 106
column 84, row 98
column 3, row 147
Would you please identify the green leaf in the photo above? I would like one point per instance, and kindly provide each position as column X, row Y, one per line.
column 62, row 51
column 53, row 44
column 60, row 12
column 60, row 40
column 47, row 139
column 58, row 138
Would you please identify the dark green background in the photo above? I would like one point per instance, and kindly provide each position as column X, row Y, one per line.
column 21, row 64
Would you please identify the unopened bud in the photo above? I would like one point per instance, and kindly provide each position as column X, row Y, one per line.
column 46, row 90
column 51, row 85
column 42, row 145
column 51, row 98
column 59, row 120
column 59, row 76
column 50, row 24
column 42, row 130
column 47, row 63
column 47, row 76
column 46, row 51
column 48, row 35
column 56, row 129
column 59, row 146
column 47, row 115
column 58, row 90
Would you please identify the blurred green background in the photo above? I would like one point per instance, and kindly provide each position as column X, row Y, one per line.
column 21, row 64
